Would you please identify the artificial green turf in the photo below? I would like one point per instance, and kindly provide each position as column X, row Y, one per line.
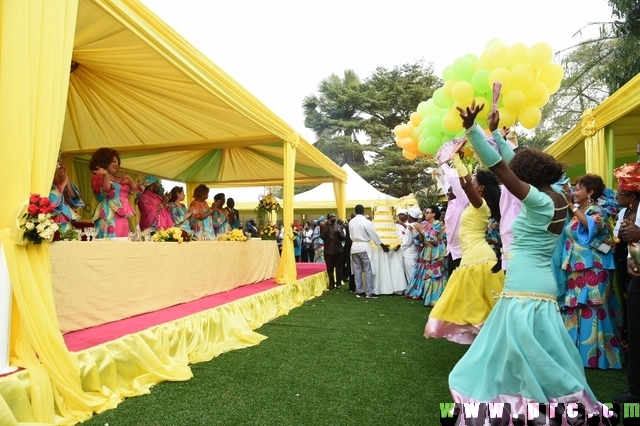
column 336, row 360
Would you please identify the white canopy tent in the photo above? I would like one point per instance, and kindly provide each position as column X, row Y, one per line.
column 358, row 191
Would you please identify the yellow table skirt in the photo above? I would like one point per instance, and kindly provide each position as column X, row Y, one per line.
column 105, row 280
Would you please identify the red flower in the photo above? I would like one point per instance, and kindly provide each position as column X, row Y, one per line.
column 44, row 202
column 597, row 264
column 603, row 276
column 613, row 342
column 111, row 229
column 571, row 283
column 586, row 313
column 602, row 314
column 33, row 210
column 593, row 362
column 591, row 277
column 580, row 282
column 579, row 266
column 34, row 199
column 102, row 214
column 120, row 212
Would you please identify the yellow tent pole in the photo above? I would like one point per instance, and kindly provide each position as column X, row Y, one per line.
column 339, row 189
column 596, row 156
column 287, row 273
column 188, row 196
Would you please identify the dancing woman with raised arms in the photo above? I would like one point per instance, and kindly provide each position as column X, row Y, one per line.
column 523, row 354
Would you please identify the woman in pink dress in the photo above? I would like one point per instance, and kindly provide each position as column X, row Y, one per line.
column 153, row 214
column 111, row 190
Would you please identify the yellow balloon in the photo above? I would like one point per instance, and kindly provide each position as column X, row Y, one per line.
column 542, row 102
column 403, row 142
column 513, row 100
column 521, row 76
column 517, row 54
column 409, row 155
column 462, row 93
column 481, row 64
column 411, row 146
column 452, row 122
column 498, row 54
column 448, row 87
column 554, row 89
column 539, row 55
column 503, row 76
column 507, row 118
column 396, row 130
column 397, row 139
column 529, row 117
column 406, row 130
column 416, row 118
column 551, row 75
column 536, row 93
column 487, row 106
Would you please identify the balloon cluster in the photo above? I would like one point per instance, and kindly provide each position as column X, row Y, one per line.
column 527, row 77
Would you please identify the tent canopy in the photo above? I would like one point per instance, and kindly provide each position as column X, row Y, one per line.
column 605, row 138
column 138, row 87
column 358, row 191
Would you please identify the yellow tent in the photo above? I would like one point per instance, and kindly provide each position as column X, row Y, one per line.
column 605, row 138
column 140, row 88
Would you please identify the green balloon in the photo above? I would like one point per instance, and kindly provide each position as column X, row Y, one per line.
column 462, row 69
column 423, row 108
column 434, row 124
column 432, row 144
column 440, row 99
column 445, row 138
column 480, row 81
column 416, row 133
column 447, row 73
column 423, row 124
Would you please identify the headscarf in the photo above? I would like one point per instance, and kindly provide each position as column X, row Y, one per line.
column 320, row 219
column 628, row 176
column 148, row 180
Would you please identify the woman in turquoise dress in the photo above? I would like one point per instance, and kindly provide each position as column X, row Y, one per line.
column 219, row 215
column 523, row 354
column 591, row 311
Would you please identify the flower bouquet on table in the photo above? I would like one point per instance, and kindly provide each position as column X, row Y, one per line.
column 234, row 235
column 36, row 223
column 172, row 235
column 268, row 231
column 268, row 203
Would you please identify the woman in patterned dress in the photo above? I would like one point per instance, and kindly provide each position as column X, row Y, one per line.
column 590, row 310
column 112, row 193
column 200, row 220
column 178, row 210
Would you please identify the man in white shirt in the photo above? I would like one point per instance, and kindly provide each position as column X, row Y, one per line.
column 362, row 233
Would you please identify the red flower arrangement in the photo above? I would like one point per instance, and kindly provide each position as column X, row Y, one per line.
column 37, row 223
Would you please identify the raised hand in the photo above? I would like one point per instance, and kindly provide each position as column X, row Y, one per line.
column 459, row 147
column 469, row 114
column 494, row 119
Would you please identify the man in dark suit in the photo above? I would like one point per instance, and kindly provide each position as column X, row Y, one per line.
column 333, row 235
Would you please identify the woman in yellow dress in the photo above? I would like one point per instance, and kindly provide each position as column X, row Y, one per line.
column 469, row 295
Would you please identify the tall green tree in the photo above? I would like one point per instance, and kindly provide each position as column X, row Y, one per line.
column 354, row 123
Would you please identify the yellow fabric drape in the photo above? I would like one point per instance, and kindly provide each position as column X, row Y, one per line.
column 340, row 190
column 596, row 156
column 287, row 267
column 130, row 365
column 36, row 40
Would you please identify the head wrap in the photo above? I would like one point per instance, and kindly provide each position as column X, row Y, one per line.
column 402, row 211
column 628, row 176
column 415, row 213
column 320, row 219
column 148, row 180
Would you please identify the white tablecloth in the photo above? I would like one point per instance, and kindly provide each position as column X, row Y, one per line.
column 104, row 281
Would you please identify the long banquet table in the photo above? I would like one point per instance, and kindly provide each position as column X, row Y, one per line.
column 105, row 280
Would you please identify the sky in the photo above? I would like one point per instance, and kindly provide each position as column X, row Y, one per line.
column 280, row 50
